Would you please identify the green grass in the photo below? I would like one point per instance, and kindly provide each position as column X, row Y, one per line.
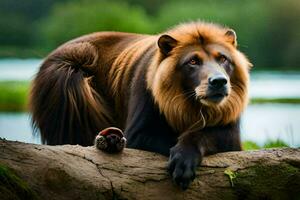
column 275, row 100
column 13, row 95
column 275, row 143
column 250, row 145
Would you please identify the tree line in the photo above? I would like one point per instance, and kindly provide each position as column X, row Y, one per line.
column 268, row 31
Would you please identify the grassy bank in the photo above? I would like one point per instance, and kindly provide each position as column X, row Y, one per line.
column 250, row 145
column 275, row 100
column 13, row 96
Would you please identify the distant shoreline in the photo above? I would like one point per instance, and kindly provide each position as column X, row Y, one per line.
column 13, row 97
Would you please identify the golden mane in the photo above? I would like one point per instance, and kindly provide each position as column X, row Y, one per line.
column 163, row 82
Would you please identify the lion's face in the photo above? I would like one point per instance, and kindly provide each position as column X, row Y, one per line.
column 200, row 75
column 205, row 73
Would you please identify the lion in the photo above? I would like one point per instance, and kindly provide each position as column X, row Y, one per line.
column 180, row 93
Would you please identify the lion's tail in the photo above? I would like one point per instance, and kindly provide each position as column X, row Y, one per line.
column 64, row 105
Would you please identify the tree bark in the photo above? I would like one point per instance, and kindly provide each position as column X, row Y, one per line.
column 29, row 171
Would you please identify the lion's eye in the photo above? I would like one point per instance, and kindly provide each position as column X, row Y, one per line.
column 193, row 62
column 222, row 59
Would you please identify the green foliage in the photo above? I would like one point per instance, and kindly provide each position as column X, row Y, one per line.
column 263, row 28
column 231, row 175
column 16, row 33
column 268, row 31
column 275, row 100
column 250, row 145
column 282, row 33
column 13, row 51
column 69, row 20
column 13, row 95
column 17, row 21
column 275, row 143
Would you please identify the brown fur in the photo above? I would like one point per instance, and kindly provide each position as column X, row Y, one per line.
column 106, row 63
column 180, row 93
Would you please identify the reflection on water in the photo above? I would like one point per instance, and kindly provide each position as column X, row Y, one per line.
column 259, row 123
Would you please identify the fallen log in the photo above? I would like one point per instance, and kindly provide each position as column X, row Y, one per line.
column 29, row 171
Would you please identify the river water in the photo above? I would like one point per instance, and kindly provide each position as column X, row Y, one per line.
column 260, row 122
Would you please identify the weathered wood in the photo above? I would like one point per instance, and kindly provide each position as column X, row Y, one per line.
column 75, row 172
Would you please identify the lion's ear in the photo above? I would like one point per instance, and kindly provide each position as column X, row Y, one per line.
column 166, row 43
column 231, row 37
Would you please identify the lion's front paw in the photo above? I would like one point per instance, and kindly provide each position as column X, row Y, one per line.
column 110, row 140
column 182, row 165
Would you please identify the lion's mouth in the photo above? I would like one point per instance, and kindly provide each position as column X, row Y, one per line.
column 215, row 97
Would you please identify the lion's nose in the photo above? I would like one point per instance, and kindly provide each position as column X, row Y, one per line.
column 217, row 81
